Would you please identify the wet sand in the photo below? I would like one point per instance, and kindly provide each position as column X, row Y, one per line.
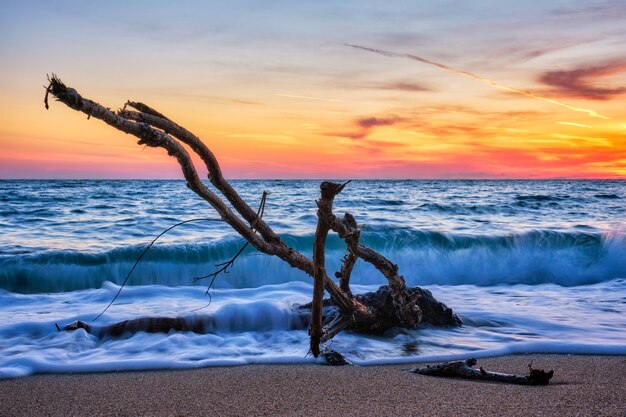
column 582, row 386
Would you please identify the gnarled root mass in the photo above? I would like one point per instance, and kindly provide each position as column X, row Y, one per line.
column 393, row 305
column 465, row 369
column 380, row 304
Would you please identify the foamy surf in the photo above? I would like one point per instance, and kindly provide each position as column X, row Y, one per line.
column 531, row 267
column 534, row 257
column 256, row 325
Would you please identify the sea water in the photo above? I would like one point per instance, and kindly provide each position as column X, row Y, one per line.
column 530, row 266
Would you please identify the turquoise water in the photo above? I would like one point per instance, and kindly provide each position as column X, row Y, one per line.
column 531, row 266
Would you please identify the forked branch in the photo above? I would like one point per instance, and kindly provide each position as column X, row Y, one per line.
column 151, row 131
column 155, row 119
column 391, row 306
column 329, row 191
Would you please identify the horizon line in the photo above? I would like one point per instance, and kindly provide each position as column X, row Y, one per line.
column 325, row 179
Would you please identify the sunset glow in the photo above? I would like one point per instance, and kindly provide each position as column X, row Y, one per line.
column 309, row 90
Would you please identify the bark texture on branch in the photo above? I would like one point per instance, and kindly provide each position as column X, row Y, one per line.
column 358, row 312
column 152, row 136
column 392, row 305
column 329, row 191
column 153, row 118
column 465, row 369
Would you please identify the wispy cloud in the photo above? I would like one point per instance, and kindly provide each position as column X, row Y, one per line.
column 212, row 98
column 363, row 126
column 600, row 11
column 355, row 135
column 487, row 81
column 309, row 98
column 527, row 55
column 578, row 82
column 405, row 86
column 575, row 124
column 370, row 122
column 273, row 138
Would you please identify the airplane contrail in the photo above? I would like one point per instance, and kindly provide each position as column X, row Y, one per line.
column 575, row 124
column 479, row 78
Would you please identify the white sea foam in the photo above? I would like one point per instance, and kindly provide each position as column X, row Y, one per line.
column 255, row 325
column 531, row 267
column 537, row 257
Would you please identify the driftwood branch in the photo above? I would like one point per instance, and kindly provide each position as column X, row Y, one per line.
column 391, row 306
column 157, row 120
column 465, row 369
column 409, row 313
column 351, row 256
column 329, row 190
column 149, row 134
column 156, row 138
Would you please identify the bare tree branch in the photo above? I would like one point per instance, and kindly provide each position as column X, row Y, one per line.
column 351, row 256
column 156, row 138
column 390, row 306
column 408, row 312
column 464, row 369
column 225, row 265
column 156, row 119
column 329, row 190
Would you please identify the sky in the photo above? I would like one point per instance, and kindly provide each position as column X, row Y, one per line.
column 322, row 89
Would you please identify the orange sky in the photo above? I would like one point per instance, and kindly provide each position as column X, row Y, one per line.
column 483, row 90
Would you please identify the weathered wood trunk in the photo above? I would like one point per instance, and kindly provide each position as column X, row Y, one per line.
column 393, row 305
column 379, row 302
column 465, row 369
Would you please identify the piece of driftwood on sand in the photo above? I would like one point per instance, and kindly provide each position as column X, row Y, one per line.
column 465, row 369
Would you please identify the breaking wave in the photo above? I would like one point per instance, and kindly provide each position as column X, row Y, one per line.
column 424, row 257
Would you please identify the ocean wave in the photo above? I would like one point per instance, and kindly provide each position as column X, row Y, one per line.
column 608, row 196
column 464, row 209
column 260, row 325
column 21, row 367
column 539, row 197
column 424, row 257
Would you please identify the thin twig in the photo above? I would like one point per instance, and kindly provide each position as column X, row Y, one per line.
column 225, row 265
column 141, row 256
column 224, row 268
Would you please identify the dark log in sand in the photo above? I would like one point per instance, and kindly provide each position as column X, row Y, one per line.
column 464, row 369
column 379, row 302
column 393, row 305
column 144, row 324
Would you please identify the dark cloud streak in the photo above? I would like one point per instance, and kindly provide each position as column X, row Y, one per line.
column 484, row 80
column 403, row 86
column 365, row 125
column 578, row 82
column 370, row 122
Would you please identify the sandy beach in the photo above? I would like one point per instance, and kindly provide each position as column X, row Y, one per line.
column 582, row 386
